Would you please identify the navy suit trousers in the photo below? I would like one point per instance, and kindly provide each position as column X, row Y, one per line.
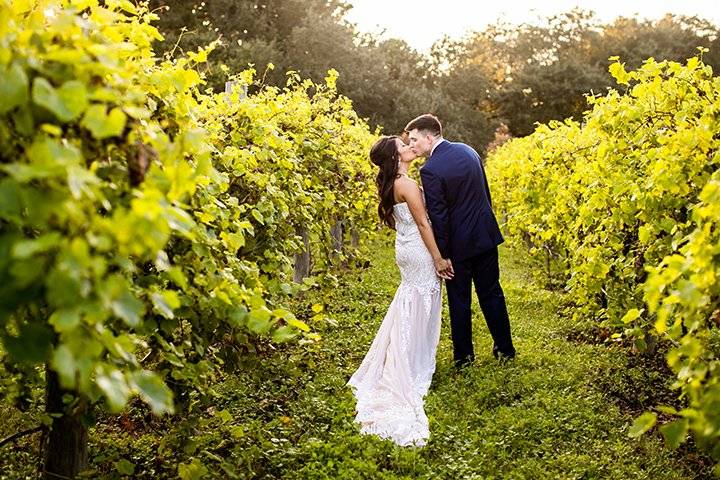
column 484, row 272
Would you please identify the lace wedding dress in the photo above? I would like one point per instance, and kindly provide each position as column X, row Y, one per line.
column 396, row 372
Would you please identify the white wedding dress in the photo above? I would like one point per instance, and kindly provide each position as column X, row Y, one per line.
column 396, row 372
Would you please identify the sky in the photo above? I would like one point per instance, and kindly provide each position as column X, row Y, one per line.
column 421, row 22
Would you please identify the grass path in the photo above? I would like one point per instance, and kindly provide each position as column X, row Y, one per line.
column 555, row 412
column 552, row 413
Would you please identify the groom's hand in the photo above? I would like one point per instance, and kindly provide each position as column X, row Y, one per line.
column 449, row 270
column 450, row 267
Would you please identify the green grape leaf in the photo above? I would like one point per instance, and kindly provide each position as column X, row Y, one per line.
column 259, row 320
column 165, row 302
column 67, row 102
column 65, row 319
column 128, row 308
column 283, row 334
column 675, row 432
column 153, row 391
column 114, row 386
column 11, row 201
column 29, row 248
column 63, row 362
column 32, row 345
column 632, row 315
column 642, row 424
column 194, row 470
column 101, row 124
column 125, row 467
column 13, row 88
column 237, row 315
column 299, row 324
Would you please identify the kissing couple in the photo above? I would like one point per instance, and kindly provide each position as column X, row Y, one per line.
column 445, row 230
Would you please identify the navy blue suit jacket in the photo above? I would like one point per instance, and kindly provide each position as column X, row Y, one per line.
column 458, row 201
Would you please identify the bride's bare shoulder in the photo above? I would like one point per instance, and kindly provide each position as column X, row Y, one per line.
column 403, row 181
column 404, row 187
column 409, row 189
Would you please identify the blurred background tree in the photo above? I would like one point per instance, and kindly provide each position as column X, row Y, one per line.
column 515, row 75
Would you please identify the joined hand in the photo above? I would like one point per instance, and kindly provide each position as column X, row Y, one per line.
column 444, row 268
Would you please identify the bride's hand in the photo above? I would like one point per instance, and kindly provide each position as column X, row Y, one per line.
column 443, row 268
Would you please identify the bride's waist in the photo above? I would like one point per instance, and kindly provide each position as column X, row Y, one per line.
column 406, row 235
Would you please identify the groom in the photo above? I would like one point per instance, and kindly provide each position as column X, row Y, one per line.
column 466, row 232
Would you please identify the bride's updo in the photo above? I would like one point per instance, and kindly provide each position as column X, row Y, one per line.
column 384, row 154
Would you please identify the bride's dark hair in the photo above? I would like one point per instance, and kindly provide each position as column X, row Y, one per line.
column 384, row 154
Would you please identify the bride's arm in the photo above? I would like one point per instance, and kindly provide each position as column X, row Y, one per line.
column 410, row 192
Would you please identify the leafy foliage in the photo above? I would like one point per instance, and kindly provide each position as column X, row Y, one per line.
column 148, row 227
column 624, row 206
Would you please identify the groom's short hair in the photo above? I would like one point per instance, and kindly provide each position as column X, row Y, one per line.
column 426, row 123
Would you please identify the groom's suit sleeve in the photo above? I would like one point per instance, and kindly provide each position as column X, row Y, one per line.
column 436, row 202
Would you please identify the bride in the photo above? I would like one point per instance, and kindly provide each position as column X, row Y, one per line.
column 396, row 372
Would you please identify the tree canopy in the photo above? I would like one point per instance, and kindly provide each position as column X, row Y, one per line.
column 516, row 75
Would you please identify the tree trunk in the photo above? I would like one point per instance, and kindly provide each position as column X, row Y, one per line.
column 302, row 259
column 336, row 231
column 66, row 452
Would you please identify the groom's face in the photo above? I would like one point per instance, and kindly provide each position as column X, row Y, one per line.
column 420, row 142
